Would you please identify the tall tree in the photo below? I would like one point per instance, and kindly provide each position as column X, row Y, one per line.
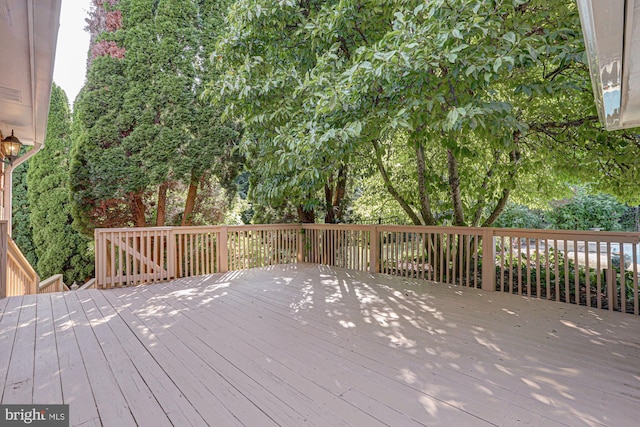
column 268, row 54
column 211, row 150
column 21, row 231
column 104, row 173
column 59, row 248
column 480, row 94
column 148, row 127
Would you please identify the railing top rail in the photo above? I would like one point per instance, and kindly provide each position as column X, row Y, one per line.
column 594, row 236
column 431, row 229
column 91, row 284
column 337, row 226
column 15, row 251
column 196, row 229
column 130, row 229
column 50, row 281
column 264, row 227
column 200, row 228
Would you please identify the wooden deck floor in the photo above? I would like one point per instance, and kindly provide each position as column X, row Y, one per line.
column 312, row 345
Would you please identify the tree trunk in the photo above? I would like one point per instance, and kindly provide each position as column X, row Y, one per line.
column 514, row 157
column 138, row 210
column 454, row 186
column 340, row 192
column 187, row 217
column 162, row 204
column 306, row 217
column 425, row 204
column 391, row 189
column 482, row 199
column 329, row 217
column 334, row 193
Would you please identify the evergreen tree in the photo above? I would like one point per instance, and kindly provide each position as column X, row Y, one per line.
column 140, row 123
column 21, row 232
column 59, row 248
column 105, row 174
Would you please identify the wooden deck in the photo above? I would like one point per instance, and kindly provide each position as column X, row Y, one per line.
column 312, row 345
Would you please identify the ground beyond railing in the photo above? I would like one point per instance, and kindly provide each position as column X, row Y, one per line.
column 17, row 277
column 576, row 267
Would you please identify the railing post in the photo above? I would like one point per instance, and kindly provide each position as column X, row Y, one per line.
column 3, row 258
column 301, row 244
column 223, row 250
column 374, row 250
column 611, row 279
column 488, row 261
column 98, row 255
column 171, row 254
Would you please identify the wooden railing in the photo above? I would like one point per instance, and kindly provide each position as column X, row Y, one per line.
column 576, row 267
column 131, row 256
column 127, row 256
column 52, row 284
column 595, row 269
column 17, row 277
column 347, row 246
column 91, row 284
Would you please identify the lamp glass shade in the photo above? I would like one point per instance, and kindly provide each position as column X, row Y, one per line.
column 11, row 145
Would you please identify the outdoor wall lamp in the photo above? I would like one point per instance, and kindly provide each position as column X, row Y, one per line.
column 11, row 146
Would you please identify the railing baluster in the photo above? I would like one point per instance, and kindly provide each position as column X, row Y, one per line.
column 547, row 268
column 587, row 274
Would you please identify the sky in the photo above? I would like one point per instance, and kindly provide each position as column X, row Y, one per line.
column 73, row 43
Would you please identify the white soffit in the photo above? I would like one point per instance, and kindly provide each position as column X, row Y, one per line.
column 611, row 31
column 28, row 35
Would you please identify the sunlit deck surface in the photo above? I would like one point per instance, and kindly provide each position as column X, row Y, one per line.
column 312, row 345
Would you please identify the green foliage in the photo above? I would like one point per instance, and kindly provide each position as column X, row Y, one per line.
column 480, row 92
column 59, row 248
column 140, row 123
column 585, row 211
column 21, row 231
column 521, row 216
column 102, row 172
column 495, row 96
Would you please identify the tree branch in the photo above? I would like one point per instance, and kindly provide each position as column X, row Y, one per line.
column 483, row 196
column 454, row 185
column 549, row 127
column 425, row 204
column 390, row 188
column 514, row 157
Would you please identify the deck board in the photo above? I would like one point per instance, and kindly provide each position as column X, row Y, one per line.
column 76, row 388
column 46, row 373
column 19, row 383
column 139, row 398
column 196, row 388
column 206, row 364
column 339, row 375
column 376, row 362
column 175, row 405
column 109, row 398
column 8, row 328
column 313, row 345
column 294, row 393
column 384, row 386
column 443, row 368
